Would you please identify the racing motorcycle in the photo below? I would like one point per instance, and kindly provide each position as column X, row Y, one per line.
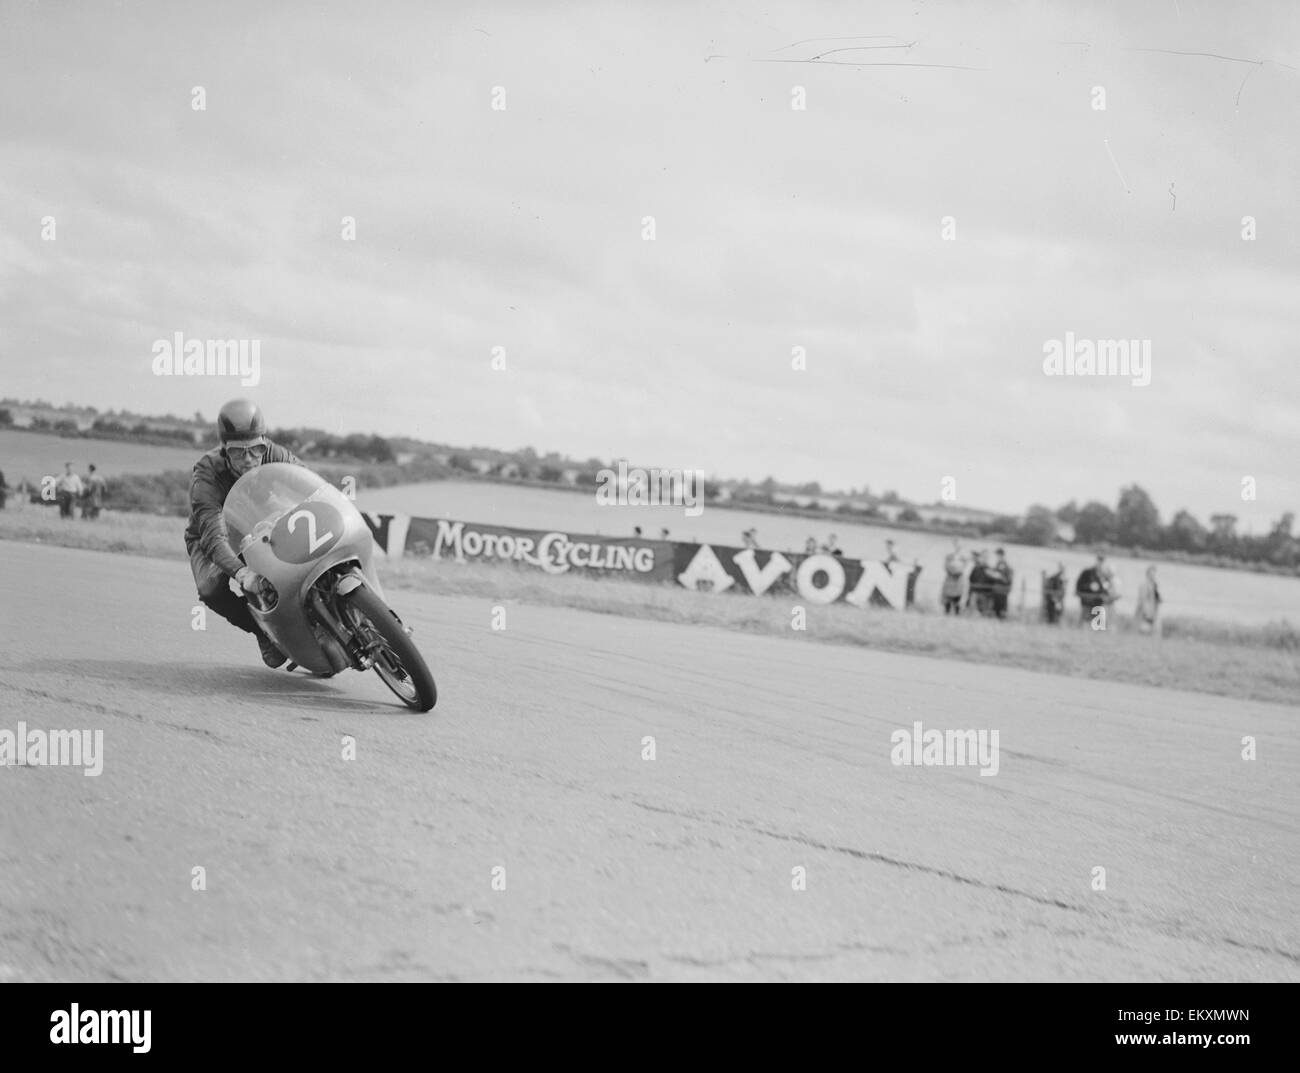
column 321, row 600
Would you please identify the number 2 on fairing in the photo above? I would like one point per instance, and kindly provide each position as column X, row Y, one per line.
column 313, row 544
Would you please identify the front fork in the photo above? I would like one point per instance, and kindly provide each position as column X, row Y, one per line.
column 342, row 646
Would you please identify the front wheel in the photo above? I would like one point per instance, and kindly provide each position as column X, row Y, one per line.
column 397, row 661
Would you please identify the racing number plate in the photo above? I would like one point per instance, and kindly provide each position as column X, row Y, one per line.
column 307, row 532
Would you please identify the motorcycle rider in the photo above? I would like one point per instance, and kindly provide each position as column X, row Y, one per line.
column 244, row 446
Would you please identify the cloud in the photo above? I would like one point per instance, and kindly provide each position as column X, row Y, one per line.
column 776, row 228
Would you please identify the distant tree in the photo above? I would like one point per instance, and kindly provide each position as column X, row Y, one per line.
column 908, row 514
column 1095, row 524
column 1280, row 547
column 1069, row 513
column 891, row 497
column 1137, row 522
column 1039, row 526
column 1002, row 523
column 356, row 445
column 6, row 418
column 1223, row 539
column 1185, row 533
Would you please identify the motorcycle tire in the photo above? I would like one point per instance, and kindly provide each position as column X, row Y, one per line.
column 400, row 667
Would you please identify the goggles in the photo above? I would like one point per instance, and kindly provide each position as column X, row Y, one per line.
column 257, row 450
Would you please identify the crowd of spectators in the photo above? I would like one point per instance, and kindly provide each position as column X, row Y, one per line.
column 71, row 491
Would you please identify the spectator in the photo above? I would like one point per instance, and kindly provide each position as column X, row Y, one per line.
column 67, row 490
column 810, row 546
column 4, row 490
column 829, row 547
column 1092, row 588
column 1148, row 604
column 912, row 575
column 1054, row 595
column 1112, row 585
column 981, row 586
column 93, row 500
column 1001, row 576
column 954, row 571
column 636, row 531
column 891, row 556
column 663, row 534
column 749, row 538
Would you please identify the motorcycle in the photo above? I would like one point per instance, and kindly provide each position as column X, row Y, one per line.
column 321, row 601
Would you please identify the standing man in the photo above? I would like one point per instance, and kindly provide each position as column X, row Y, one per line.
column 1148, row 604
column 213, row 561
column 1092, row 588
column 954, row 569
column 1002, row 576
column 1054, row 595
column 93, row 500
column 67, row 490
column 980, row 585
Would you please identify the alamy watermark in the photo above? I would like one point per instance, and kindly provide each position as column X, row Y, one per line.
column 76, row 1025
column 1099, row 357
column 179, row 356
column 651, row 488
column 945, row 748
column 52, row 748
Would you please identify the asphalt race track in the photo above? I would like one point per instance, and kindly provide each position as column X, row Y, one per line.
column 771, row 755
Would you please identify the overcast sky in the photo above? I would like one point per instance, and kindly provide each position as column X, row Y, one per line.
column 775, row 228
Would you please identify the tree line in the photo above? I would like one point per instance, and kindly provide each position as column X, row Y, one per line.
column 1134, row 523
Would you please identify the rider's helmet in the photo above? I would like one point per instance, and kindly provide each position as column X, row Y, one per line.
column 241, row 424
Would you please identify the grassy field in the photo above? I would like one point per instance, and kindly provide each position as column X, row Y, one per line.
column 34, row 455
column 1257, row 662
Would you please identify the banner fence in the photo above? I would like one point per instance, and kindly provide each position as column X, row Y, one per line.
column 818, row 578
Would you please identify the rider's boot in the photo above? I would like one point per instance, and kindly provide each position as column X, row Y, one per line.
column 271, row 654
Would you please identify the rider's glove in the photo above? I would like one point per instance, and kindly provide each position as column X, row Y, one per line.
column 249, row 580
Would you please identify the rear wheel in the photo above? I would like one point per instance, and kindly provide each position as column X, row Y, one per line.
column 397, row 661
